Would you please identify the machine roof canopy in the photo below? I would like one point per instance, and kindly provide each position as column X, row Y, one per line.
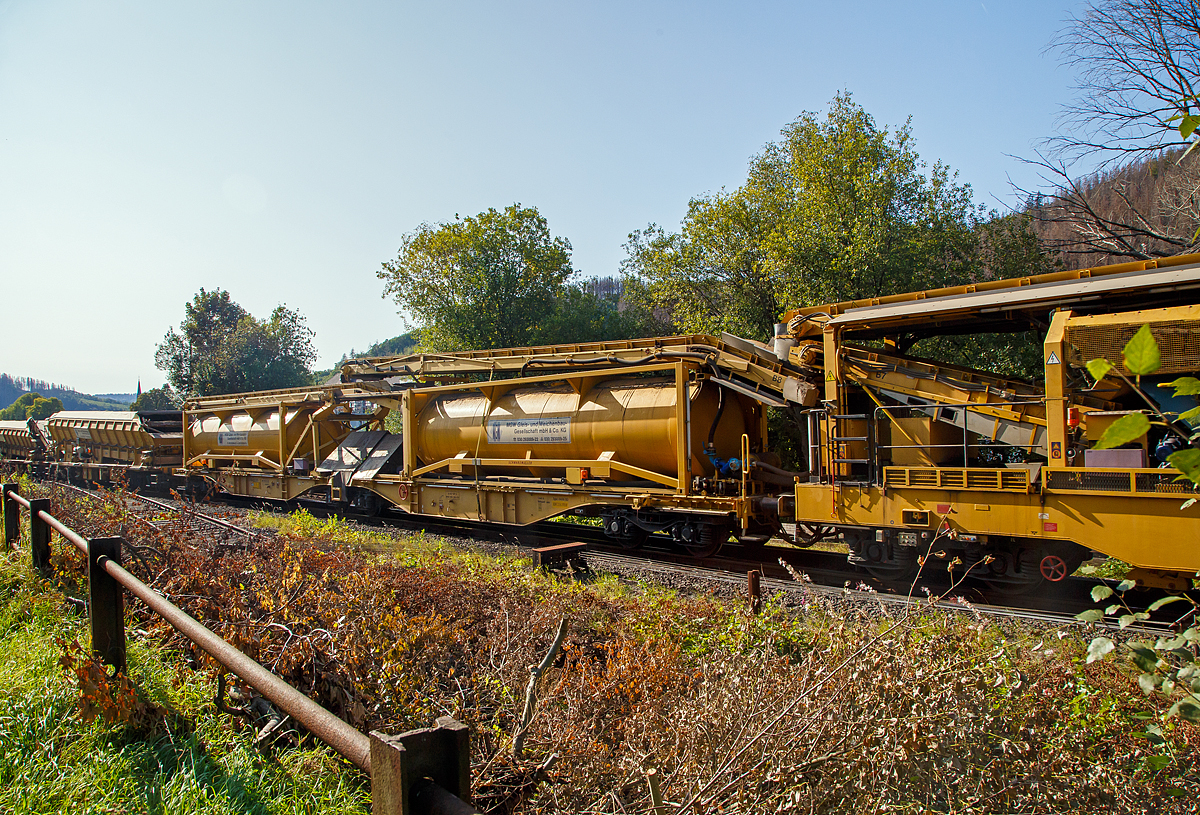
column 1011, row 305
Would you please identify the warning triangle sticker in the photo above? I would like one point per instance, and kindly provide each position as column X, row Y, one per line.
column 1053, row 360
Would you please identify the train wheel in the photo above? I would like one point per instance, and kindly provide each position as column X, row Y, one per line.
column 623, row 533
column 1032, row 568
column 889, row 563
column 702, row 539
column 633, row 537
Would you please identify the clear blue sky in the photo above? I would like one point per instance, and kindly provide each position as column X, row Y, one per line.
column 281, row 150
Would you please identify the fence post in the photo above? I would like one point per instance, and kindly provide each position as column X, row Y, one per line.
column 387, row 775
column 12, row 515
column 754, row 590
column 399, row 765
column 39, row 535
column 106, row 603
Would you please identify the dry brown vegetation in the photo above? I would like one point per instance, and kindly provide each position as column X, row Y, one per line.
column 818, row 706
column 1144, row 209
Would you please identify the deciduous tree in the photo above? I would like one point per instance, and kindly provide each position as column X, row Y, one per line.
column 1137, row 64
column 836, row 209
column 221, row 348
column 31, row 406
column 484, row 281
column 156, row 399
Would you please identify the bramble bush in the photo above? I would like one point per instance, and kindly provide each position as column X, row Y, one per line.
column 819, row 704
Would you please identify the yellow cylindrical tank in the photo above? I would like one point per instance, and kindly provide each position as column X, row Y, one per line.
column 243, row 432
column 634, row 419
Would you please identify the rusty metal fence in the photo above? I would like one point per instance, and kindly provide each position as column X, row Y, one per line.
column 421, row 771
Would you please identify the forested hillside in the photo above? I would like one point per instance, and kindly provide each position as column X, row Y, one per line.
column 1144, row 209
column 12, row 387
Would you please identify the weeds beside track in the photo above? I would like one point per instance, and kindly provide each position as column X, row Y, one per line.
column 813, row 708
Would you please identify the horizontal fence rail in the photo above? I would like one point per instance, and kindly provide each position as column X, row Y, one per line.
column 421, row 771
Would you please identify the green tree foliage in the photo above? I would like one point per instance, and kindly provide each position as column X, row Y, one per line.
column 221, row 348
column 1168, row 665
column 395, row 346
column 582, row 314
column 31, row 406
column 485, row 281
column 157, row 399
column 837, row 209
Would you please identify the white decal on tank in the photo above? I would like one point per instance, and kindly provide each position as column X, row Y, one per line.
column 233, row 438
column 83, row 434
column 552, row 430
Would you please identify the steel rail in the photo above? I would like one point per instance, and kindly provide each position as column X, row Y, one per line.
column 212, row 519
column 953, row 603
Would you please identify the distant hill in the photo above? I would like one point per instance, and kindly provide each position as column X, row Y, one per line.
column 122, row 398
column 393, row 347
column 11, row 388
column 1133, row 202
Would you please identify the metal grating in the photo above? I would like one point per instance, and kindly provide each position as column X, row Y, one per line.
column 1164, row 482
column 1089, row 481
column 1178, row 342
column 1129, row 482
column 957, row 478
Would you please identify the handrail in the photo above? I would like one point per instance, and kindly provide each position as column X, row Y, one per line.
column 400, row 784
column 347, row 740
column 80, row 542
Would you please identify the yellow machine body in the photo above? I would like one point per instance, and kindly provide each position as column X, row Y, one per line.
column 872, row 447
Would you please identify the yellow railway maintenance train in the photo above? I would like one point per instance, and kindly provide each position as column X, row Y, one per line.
column 669, row 435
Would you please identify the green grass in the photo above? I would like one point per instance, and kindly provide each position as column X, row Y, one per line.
column 187, row 760
column 1107, row 568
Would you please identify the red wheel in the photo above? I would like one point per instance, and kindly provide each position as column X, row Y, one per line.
column 1053, row 568
column 402, row 492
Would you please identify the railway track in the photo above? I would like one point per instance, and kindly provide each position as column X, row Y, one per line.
column 185, row 512
column 826, row 574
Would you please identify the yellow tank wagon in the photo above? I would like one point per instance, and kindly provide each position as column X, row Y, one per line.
column 267, row 444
